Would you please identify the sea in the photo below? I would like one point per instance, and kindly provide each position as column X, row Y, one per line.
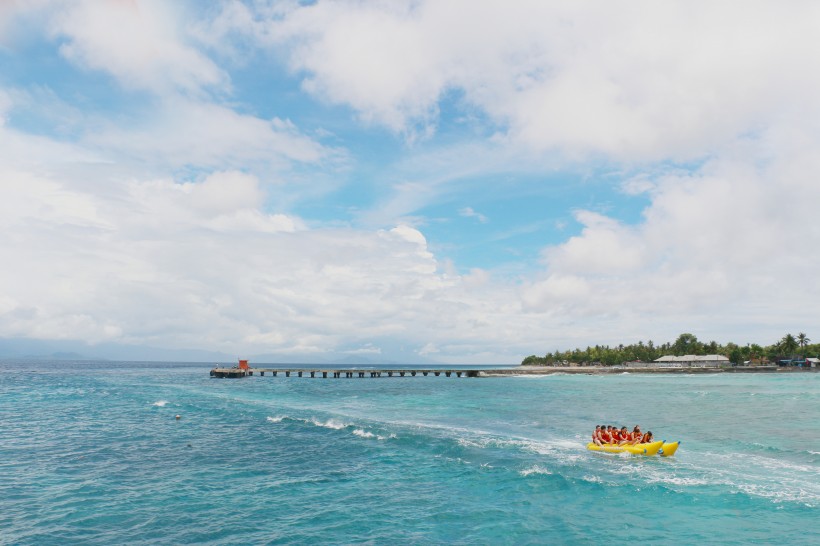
column 93, row 453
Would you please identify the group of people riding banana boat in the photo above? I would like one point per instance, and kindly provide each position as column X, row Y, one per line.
column 607, row 434
column 611, row 439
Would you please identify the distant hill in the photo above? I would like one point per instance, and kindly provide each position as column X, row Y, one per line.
column 20, row 348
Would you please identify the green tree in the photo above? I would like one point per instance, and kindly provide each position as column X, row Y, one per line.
column 685, row 344
column 736, row 355
column 611, row 357
column 788, row 344
column 802, row 340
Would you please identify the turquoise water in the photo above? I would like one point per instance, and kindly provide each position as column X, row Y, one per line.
column 91, row 453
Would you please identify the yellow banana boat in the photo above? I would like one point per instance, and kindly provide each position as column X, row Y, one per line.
column 667, row 450
column 638, row 449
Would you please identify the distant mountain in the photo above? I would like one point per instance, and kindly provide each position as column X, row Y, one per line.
column 20, row 348
column 78, row 350
column 61, row 355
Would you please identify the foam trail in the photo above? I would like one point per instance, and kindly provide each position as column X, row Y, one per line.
column 537, row 470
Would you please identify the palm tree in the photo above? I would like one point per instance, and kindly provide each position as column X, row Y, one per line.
column 788, row 344
column 802, row 340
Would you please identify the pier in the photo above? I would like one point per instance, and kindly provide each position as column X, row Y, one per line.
column 346, row 372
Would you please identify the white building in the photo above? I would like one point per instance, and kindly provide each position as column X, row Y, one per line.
column 691, row 361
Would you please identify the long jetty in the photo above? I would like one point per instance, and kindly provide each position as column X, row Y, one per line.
column 246, row 371
column 345, row 372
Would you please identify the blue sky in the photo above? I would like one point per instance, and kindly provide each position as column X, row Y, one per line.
column 449, row 181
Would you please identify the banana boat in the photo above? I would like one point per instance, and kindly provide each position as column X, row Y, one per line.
column 667, row 450
column 650, row 449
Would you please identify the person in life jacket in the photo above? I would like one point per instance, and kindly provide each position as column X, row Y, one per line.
column 608, row 434
column 625, row 436
column 596, row 436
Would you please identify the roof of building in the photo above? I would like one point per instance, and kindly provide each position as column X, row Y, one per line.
column 692, row 358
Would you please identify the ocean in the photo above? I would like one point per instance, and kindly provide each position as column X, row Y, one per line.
column 91, row 453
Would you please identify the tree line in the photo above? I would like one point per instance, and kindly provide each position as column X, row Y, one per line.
column 788, row 347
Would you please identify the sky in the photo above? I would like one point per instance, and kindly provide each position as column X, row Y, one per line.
column 447, row 180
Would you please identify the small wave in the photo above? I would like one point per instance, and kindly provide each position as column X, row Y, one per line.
column 560, row 452
column 773, row 479
column 160, row 403
column 365, row 434
column 537, row 469
column 468, row 442
column 330, row 423
column 777, row 495
column 773, row 466
column 677, row 480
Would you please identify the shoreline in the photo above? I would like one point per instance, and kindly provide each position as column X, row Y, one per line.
column 608, row 370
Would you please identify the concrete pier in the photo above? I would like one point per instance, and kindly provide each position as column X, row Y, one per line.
column 347, row 373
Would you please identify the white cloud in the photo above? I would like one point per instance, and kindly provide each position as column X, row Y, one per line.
column 186, row 264
column 367, row 349
column 629, row 84
column 624, row 80
column 604, row 246
column 158, row 262
column 139, row 43
column 342, row 48
column 468, row 212
column 183, row 264
column 22, row 150
column 145, row 45
column 187, row 132
column 730, row 240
